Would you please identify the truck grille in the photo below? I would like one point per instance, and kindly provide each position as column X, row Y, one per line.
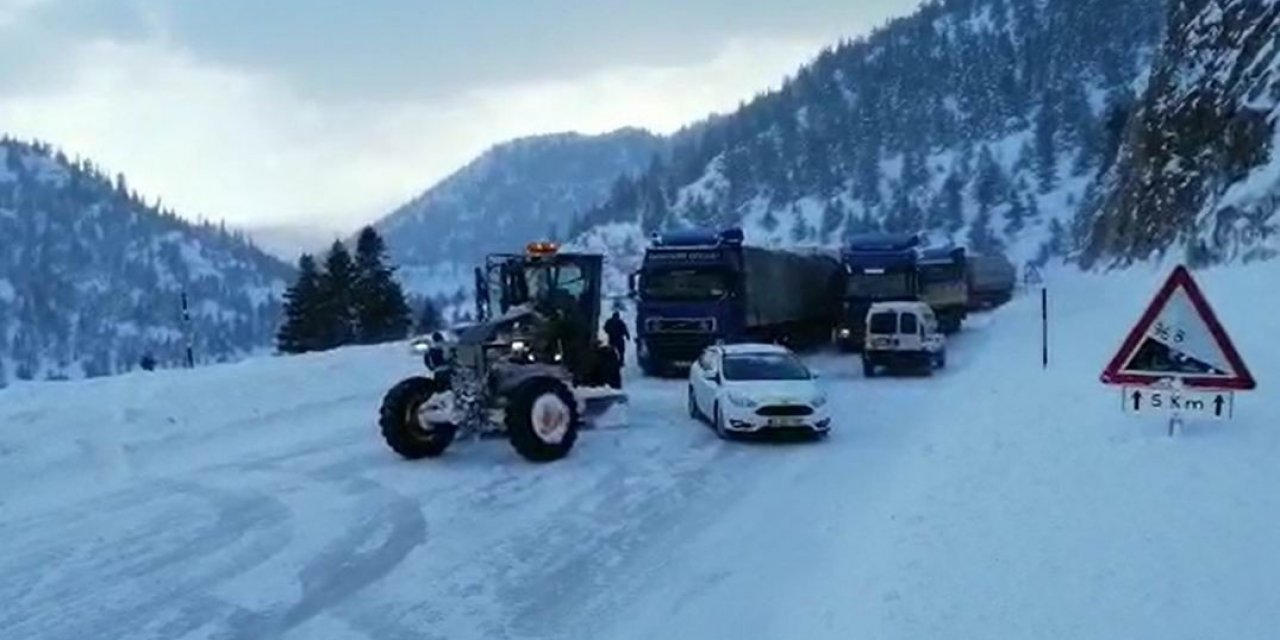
column 785, row 410
column 681, row 325
column 677, row 347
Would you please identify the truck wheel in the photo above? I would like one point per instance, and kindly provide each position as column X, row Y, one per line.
column 868, row 367
column 401, row 425
column 542, row 420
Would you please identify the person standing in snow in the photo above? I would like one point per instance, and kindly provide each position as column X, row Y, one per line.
column 618, row 334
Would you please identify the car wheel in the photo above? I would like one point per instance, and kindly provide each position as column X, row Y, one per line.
column 718, row 422
column 942, row 360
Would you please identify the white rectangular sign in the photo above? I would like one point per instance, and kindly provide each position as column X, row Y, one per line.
column 1211, row 405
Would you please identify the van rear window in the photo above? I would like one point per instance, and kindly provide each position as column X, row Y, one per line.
column 909, row 323
column 885, row 323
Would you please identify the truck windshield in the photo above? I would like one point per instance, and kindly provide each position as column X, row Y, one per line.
column 878, row 286
column 685, row 284
column 764, row 366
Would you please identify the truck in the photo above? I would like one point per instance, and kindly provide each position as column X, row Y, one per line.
column 944, row 285
column 878, row 267
column 991, row 280
column 699, row 287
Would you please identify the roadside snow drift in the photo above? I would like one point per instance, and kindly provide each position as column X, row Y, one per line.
column 994, row 500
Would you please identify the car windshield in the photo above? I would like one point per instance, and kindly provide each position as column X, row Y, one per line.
column 764, row 366
column 685, row 284
column 878, row 286
column 885, row 322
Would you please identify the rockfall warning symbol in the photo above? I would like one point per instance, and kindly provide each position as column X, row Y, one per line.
column 1179, row 338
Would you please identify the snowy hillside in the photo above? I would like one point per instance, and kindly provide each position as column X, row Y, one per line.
column 91, row 277
column 524, row 190
column 1200, row 169
column 981, row 123
column 995, row 500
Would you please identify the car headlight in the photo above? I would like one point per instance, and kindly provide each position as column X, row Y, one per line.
column 819, row 401
column 845, row 333
column 741, row 400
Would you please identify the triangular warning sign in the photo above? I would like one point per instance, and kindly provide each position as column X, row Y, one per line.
column 1179, row 337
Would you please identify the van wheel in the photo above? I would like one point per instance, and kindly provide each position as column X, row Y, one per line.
column 868, row 368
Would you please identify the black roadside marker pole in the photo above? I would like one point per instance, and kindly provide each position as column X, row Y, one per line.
column 1044, row 327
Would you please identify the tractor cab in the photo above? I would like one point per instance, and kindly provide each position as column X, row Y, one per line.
column 543, row 279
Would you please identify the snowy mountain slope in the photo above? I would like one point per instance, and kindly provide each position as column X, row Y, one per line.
column 993, row 500
column 981, row 122
column 523, row 190
column 1200, row 168
column 91, row 277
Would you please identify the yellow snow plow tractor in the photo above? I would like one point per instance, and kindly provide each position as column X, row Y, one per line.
column 531, row 368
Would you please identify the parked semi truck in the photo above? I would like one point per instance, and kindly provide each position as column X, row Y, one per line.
column 878, row 267
column 698, row 287
column 991, row 280
column 944, row 285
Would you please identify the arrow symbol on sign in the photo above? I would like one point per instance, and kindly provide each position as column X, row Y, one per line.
column 1137, row 400
column 1217, row 405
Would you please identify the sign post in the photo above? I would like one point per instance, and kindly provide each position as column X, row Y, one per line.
column 1178, row 359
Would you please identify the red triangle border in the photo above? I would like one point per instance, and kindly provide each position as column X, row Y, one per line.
column 1181, row 277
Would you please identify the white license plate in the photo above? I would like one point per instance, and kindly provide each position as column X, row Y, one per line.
column 786, row 422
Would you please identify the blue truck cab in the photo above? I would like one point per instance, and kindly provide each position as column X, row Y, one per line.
column 687, row 296
column 878, row 267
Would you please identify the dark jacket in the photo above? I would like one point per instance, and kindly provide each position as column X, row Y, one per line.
column 617, row 330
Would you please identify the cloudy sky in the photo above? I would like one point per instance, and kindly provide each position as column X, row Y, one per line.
column 331, row 112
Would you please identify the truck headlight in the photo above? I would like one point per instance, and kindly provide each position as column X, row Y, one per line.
column 741, row 400
column 845, row 333
column 519, row 345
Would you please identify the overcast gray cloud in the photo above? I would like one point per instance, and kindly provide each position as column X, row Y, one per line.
column 330, row 111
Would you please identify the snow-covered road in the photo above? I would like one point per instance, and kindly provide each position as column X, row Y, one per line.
column 993, row 500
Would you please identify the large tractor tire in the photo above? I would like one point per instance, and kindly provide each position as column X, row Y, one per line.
column 542, row 420
column 400, row 424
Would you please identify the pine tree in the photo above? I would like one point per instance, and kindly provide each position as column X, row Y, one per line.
column 335, row 309
column 1015, row 217
column 377, row 302
column 429, row 319
column 832, row 216
column 981, row 238
column 1046, row 148
column 301, row 330
column 990, row 184
column 769, row 221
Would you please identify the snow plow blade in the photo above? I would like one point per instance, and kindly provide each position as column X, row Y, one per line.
column 602, row 407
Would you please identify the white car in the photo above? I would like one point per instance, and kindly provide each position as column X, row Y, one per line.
column 751, row 388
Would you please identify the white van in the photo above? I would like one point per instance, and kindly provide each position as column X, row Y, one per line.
column 902, row 336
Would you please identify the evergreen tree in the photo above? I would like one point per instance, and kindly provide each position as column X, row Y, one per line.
column 799, row 227
column 990, row 184
column 1046, row 148
column 429, row 319
column 1015, row 217
column 336, row 289
column 981, row 238
column 832, row 216
column 377, row 302
column 769, row 221
column 302, row 330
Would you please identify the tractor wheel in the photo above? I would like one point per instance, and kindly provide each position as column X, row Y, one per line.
column 542, row 420
column 401, row 424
